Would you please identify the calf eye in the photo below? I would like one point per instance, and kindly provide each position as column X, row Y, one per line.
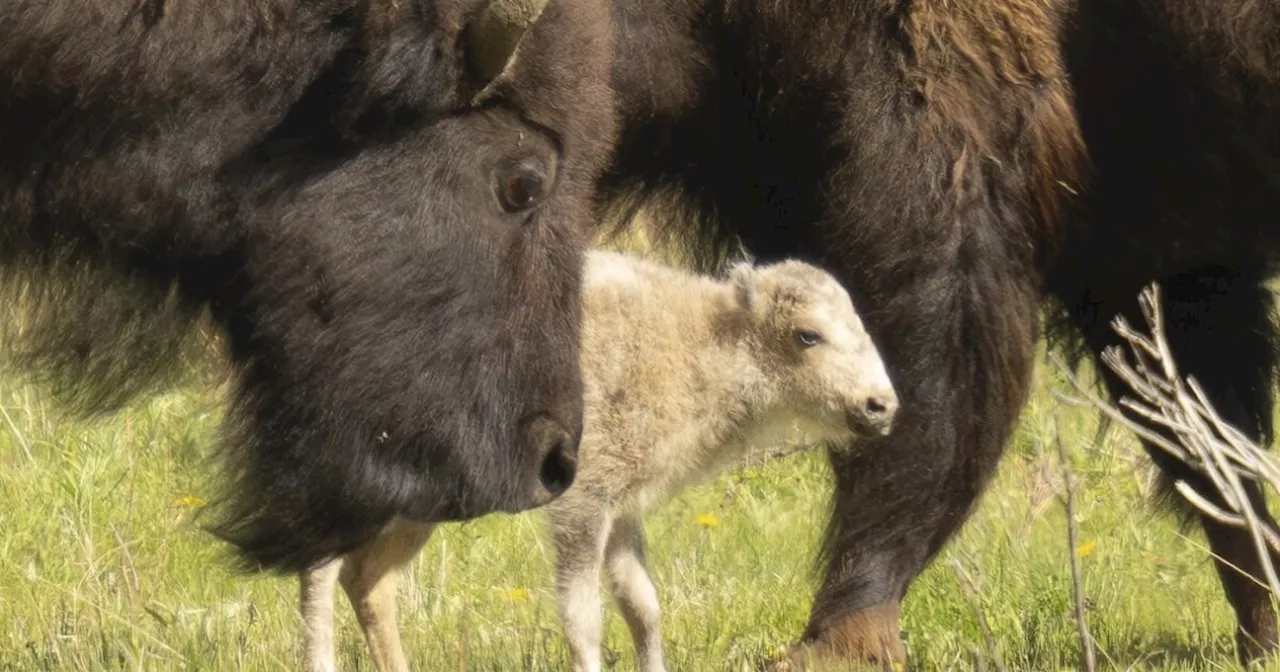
column 807, row 339
column 519, row 187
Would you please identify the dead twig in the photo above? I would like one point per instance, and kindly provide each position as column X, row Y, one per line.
column 1175, row 416
column 971, row 596
column 1073, row 544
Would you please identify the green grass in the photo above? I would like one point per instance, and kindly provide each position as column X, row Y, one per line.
column 103, row 568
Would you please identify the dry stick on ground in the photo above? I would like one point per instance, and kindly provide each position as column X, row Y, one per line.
column 1188, row 428
column 759, row 457
column 1073, row 543
column 971, row 596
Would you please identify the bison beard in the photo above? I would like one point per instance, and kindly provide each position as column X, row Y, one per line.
column 960, row 164
column 389, row 243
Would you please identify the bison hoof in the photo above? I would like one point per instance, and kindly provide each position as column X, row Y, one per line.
column 818, row 657
column 1254, row 651
column 868, row 639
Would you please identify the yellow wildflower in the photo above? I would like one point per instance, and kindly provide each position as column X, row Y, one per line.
column 188, row 502
column 1085, row 549
column 707, row 520
column 517, row 595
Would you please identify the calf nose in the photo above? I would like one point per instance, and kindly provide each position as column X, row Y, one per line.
column 874, row 415
column 557, row 460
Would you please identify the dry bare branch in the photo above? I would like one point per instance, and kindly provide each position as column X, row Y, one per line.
column 1073, row 543
column 1176, row 416
column 971, row 596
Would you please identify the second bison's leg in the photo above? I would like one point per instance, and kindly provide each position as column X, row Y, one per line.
column 959, row 341
column 369, row 575
column 637, row 596
column 581, row 529
column 1220, row 330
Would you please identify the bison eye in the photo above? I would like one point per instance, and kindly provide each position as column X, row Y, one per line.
column 519, row 187
column 807, row 338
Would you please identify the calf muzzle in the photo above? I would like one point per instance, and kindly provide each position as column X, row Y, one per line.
column 873, row 415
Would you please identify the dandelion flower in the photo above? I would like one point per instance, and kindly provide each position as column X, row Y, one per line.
column 707, row 520
column 517, row 595
column 1085, row 549
column 188, row 502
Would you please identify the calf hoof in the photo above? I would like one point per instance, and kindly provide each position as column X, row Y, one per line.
column 868, row 639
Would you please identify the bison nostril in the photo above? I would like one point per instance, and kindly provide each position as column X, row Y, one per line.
column 876, row 408
column 558, row 469
column 555, row 458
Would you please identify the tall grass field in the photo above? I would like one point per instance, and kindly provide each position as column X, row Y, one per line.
column 104, row 567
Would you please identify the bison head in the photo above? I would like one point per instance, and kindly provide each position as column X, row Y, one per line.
column 388, row 232
column 408, row 318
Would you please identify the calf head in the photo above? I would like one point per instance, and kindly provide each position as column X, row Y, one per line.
column 812, row 347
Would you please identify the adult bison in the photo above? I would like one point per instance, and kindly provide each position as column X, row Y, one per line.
column 390, row 243
column 958, row 164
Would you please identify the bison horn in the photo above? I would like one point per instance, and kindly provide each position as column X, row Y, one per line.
column 495, row 33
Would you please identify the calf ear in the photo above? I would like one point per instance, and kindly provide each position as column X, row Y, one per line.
column 745, row 291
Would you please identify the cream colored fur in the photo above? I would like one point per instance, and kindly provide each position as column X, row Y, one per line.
column 683, row 374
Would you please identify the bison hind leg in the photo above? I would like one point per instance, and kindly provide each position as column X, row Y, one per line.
column 1222, row 332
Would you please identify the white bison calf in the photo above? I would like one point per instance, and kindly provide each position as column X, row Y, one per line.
column 683, row 374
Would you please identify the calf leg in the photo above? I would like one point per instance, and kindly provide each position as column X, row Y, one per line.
column 633, row 588
column 580, row 534
column 1219, row 328
column 316, row 602
column 369, row 576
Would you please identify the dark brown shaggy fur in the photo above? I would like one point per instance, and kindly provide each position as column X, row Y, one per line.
column 1179, row 104
column 391, row 253
column 960, row 164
